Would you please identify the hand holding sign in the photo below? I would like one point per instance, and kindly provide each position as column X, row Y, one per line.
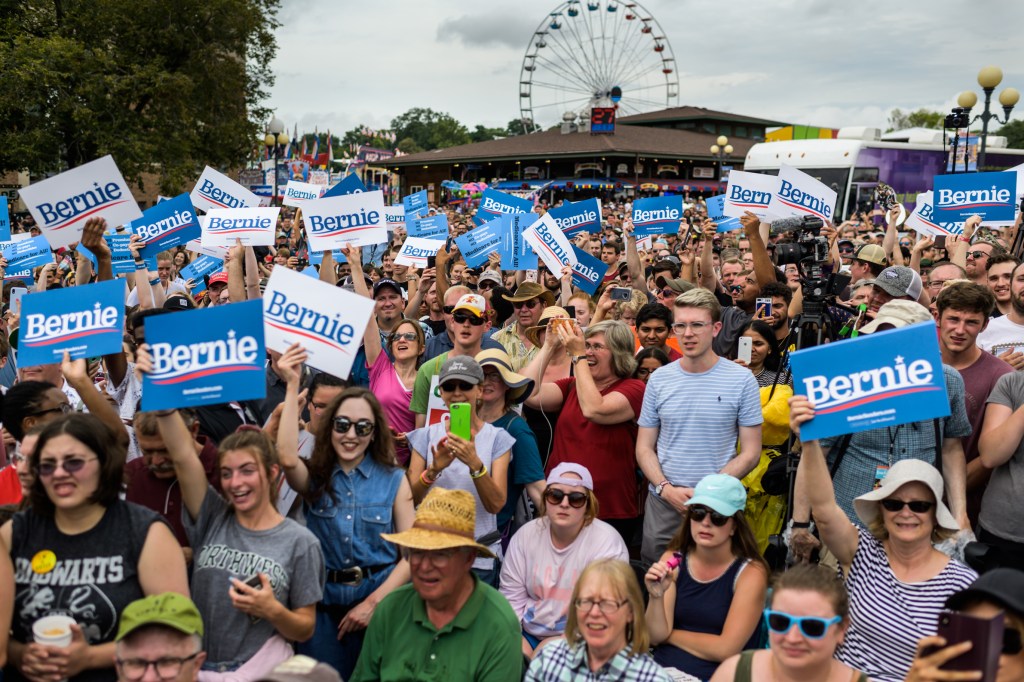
column 801, row 410
column 289, row 365
column 92, row 238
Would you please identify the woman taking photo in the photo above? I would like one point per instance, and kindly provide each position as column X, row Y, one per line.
column 547, row 555
column 478, row 465
column 391, row 380
column 543, row 420
column 599, row 406
column 765, row 355
column 897, row 580
column 353, row 491
column 257, row 576
column 605, row 633
column 80, row 551
column 807, row 619
column 707, row 591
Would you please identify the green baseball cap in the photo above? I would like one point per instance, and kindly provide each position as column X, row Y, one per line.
column 170, row 608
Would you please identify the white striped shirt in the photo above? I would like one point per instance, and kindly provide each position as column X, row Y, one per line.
column 888, row 616
column 698, row 417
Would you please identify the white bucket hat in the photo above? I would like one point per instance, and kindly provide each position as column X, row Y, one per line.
column 906, row 471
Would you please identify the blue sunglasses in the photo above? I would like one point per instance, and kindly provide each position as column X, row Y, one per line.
column 811, row 628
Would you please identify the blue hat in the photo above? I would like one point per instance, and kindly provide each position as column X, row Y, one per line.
column 720, row 492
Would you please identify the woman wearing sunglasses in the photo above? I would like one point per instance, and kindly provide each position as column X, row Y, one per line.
column 547, row 555
column 807, row 619
column 897, row 580
column 80, row 551
column 478, row 465
column 353, row 491
column 708, row 589
column 392, row 373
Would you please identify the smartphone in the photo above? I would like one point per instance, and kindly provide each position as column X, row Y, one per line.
column 431, row 261
column 762, row 308
column 621, row 293
column 16, row 294
column 940, row 241
column 531, row 276
column 254, row 582
column 745, row 348
column 459, row 423
column 986, row 635
column 571, row 309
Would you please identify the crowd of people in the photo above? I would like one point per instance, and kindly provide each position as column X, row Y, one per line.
column 523, row 480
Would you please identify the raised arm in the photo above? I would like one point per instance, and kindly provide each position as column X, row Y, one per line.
column 604, row 307
column 75, row 373
column 289, row 368
column 328, row 272
column 92, row 239
column 547, row 396
column 252, row 275
column 236, row 281
column 371, row 335
column 764, row 269
column 611, row 408
column 636, row 271
column 708, row 278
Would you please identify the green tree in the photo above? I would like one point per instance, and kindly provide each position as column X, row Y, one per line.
column 429, row 129
column 1014, row 133
column 483, row 133
column 922, row 118
column 519, row 126
column 162, row 86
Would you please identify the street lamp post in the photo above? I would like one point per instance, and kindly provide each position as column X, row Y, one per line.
column 275, row 140
column 988, row 79
column 721, row 149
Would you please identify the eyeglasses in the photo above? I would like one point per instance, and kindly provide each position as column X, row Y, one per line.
column 70, row 465
column 811, row 628
column 364, row 427
column 845, row 250
column 438, row 557
column 594, row 347
column 463, row 318
column 63, row 407
column 697, row 327
column 642, row 371
column 916, row 506
column 669, row 293
column 976, row 254
column 404, row 336
column 555, row 496
column 167, row 668
column 605, row 606
column 531, row 304
column 698, row 514
column 936, row 284
column 452, row 386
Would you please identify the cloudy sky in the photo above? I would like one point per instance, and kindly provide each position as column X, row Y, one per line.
column 821, row 62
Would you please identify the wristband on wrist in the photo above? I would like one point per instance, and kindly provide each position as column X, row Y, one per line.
column 153, row 282
column 801, row 524
column 425, row 479
column 479, row 474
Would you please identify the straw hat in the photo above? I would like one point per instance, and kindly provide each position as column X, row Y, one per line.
column 552, row 311
column 519, row 387
column 528, row 290
column 445, row 519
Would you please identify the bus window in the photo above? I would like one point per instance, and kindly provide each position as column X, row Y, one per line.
column 865, row 175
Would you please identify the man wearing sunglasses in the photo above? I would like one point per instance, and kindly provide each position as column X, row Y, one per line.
column 456, row 297
column 529, row 301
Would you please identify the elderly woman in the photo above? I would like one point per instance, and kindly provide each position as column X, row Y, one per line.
column 605, row 634
column 548, row 554
column 896, row 578
column 599, row 409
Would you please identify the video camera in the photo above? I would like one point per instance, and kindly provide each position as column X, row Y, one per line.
column 807, row 245
column 960, row 117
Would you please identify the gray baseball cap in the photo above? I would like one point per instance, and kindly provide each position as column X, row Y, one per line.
column 899, row 281
column 461, row 367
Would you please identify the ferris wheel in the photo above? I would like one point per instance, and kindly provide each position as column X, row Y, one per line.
column 596, row 53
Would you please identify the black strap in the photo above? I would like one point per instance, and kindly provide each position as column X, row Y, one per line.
column 938, row 445
column 844, row 443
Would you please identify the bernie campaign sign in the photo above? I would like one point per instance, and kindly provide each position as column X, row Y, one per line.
column 84, row 321
column 415, row 204
column 26, row 254
column 394, row 216
column 799, row 195
column 297, row 193
column 716, row 213
column 416, row 250
column 588, row 271
column 205, row 357
column 889, row 378
column 327, row 321
column 435, row 227
column 196, row 246
column 122, row 262
column 494, row 203
column 579, row 216
column 989, row 195
column 515, row 252
column 477, row 244
column 62, row 204
column 657, row 215
column 356, row 219
column 215, row 190
column 350, row 184
column 550, row 243
column 5, row 221
column 166, row 225
column 202, row 265
column 252, row 226
column 922, row 220
column 749, row 192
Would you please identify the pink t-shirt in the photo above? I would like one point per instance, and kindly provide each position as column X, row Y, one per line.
column 394, row 398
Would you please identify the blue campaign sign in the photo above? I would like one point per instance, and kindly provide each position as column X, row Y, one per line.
column 657, row 215
column 516, row 253
column 168, row 224
column 415, row 204
column 434, row 227
column 121, row 260
column 350, row 184
column 202, row 265
column 716, row 212
column 84, row 321
column 5, row 221
column 989, row 195
column 317, row 257
column 480, row 242
column 494, row 203
column 588, row 271
column 579, row 216
column 204, row 357
column 885, row 379
column 311, row 271
column 27, row 254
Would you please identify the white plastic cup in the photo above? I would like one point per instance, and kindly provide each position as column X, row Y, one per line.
column 53, row 631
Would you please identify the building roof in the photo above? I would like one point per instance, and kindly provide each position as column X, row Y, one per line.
column 694, row 113
column 628, row 140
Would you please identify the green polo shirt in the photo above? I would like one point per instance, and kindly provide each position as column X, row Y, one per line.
column 482, row 643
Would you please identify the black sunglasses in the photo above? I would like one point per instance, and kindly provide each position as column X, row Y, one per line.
column 463, row 318
column 916, row 506
column 531, row 304
column 364, row 427
column 452, row 386
column 448, row 309
column 555, row 496
column 698, row 514
column 63, row 407
column 71, row 465
column 486, row 284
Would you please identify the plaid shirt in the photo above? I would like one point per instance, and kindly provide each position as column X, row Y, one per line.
column 518, row 352
column 556, row 662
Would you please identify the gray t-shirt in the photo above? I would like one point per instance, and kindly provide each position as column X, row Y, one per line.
column 287, row 553
column 733, row 320
column 1001, row 506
